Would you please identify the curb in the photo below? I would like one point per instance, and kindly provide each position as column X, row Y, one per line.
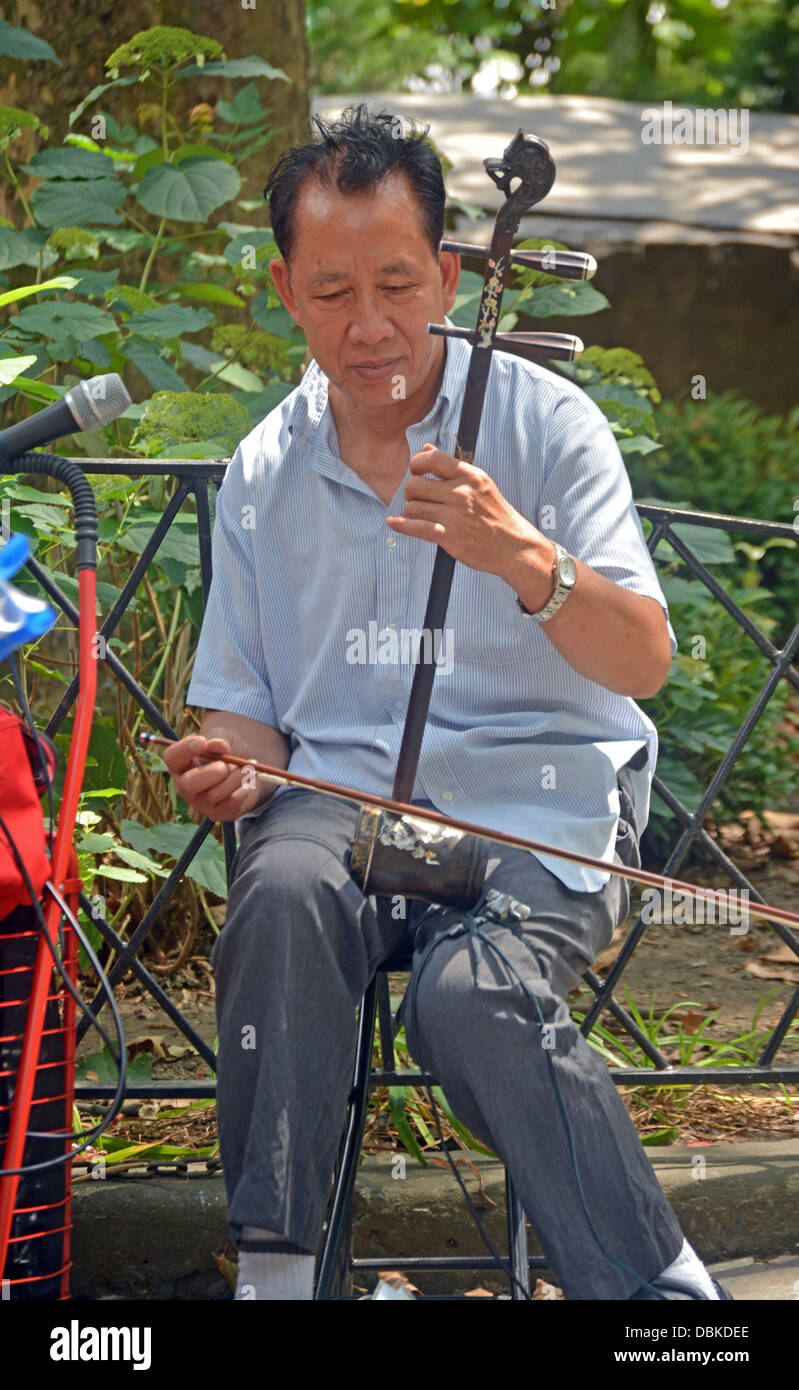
column 139, row 1237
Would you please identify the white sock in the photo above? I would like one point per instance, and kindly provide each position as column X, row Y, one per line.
column 688, row 1269
column 270, row 1267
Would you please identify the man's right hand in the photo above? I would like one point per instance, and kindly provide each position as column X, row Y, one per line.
column 213, row 789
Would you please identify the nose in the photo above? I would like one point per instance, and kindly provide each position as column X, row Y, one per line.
column 370, row 323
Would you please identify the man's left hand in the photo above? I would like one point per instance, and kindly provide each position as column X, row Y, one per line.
column 462, row 510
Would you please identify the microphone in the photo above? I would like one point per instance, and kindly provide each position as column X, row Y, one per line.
column 95, row 402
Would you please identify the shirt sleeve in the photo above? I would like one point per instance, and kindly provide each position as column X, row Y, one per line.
column 586, row 502
column 229, row 670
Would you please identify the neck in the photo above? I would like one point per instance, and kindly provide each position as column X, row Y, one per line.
column 383, row 423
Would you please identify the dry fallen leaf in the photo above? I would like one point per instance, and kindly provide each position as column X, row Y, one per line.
column 544, row 1290
column 147, row 1042
column 771, row 972
column 478, row 1293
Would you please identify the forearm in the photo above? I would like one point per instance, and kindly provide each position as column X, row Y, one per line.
column 607, row 633
column 249, row 738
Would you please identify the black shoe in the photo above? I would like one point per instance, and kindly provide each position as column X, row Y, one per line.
column 676, row 1291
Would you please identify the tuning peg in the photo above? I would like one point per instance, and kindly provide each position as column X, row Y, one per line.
column 568, row 265
column 562, row 347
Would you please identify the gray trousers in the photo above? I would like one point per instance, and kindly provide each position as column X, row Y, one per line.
column 301, row 944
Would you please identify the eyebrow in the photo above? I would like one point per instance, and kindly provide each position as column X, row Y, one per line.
column 332, row 277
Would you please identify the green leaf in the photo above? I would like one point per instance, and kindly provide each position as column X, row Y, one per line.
column 208, row 866
column 169, row 321
column 139, row 861
column 255, row 236
column 96, row 844
column 60, row 318
column 23, row 248
column 638, row 444
column 98, row 92
column 244, row 109
column 396, row 1097
column 209, row 293
column 78, row 202
column 20, row 43
column 199, row 152
column 12, row 367
column 573, row 297
column 237, row 67
column 160, row 373
column 70, row 162
column 61, row 282
column 661, row 1136
column 190, row 192
column 124, row 875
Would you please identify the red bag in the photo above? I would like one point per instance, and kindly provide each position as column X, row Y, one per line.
column 21, row 811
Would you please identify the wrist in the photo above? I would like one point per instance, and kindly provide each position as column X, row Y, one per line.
column 533, row 572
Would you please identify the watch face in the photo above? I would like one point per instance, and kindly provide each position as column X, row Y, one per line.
column 567, row 571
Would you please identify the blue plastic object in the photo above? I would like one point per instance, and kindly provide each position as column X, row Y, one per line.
column 22, row 617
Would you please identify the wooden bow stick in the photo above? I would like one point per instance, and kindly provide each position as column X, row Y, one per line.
column 718, row 896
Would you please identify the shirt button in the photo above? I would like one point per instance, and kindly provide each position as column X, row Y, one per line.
column 391, row 625
column 398, row 704
column 446, row 796
column 391, row 541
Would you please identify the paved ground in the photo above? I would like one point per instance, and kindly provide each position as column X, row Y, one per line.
column 606, row 172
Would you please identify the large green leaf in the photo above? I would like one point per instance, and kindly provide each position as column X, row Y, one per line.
column 557, row 301
column 69, row 162
column 208, row 865
column 188, row 192
column 78, row 202
column 59, row 319
column 178, row 544
column 20, row 43
column 169, row 321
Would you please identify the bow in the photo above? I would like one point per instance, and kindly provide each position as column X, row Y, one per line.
column 281, row 777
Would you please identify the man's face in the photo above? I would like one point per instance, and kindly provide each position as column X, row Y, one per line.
column 364, row 283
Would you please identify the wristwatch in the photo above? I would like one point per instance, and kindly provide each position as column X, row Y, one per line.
column 564, row 574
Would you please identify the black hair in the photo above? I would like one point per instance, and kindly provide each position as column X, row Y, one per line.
column 354, row 155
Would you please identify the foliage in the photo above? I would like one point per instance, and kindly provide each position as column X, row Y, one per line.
column 698, row 52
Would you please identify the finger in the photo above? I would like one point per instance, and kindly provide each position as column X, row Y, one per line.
column 426, row 511
column 422, row 530
column 198, row 781
column 236, row 781
column 432, row 460
column 181, row 756
column 430, row 489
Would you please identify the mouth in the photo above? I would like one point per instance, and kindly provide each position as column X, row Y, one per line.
column 375, row 371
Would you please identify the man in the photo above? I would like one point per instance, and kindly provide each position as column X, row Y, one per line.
column 325, row 533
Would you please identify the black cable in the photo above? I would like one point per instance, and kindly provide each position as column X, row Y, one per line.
column 475, row 930
column 121, row 1059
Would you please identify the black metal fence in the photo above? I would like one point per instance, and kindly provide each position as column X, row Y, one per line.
column 193, row 480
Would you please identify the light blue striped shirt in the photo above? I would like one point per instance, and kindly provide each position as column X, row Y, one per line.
column 314, row 601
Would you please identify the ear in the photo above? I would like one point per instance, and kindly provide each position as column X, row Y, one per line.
column 449, row 263
column 280, row 278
